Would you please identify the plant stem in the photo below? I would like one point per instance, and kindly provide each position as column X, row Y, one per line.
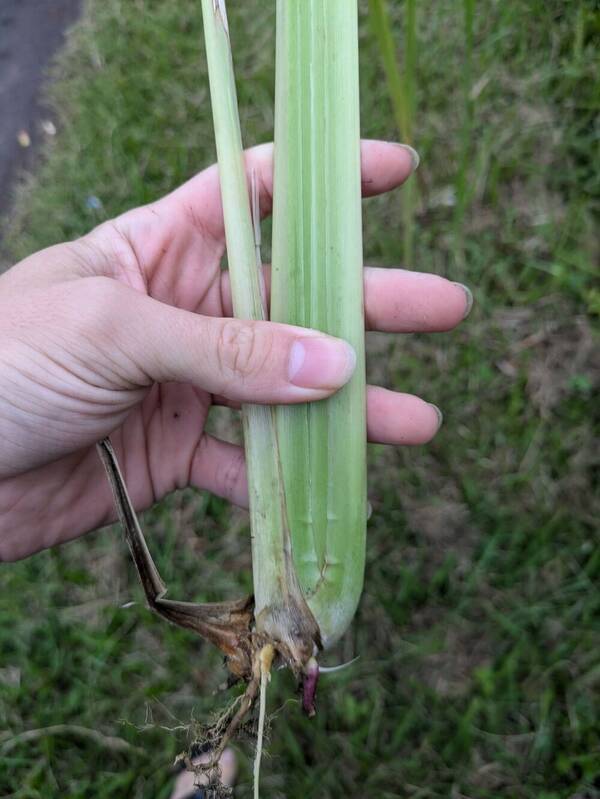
column 317, row 282
column 280, row 610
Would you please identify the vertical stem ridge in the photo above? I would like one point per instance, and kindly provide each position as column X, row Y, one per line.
column 317, row 256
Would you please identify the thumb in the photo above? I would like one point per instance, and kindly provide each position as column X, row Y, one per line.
column 245, row 361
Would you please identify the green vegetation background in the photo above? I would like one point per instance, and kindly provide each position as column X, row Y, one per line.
column 479, row 629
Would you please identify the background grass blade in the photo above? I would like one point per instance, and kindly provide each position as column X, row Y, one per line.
column 466, row 136
column 402, row 95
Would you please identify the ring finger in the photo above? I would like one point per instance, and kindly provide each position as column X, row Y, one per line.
column 392, row 418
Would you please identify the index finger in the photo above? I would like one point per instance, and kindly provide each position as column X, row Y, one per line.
column 384, row 166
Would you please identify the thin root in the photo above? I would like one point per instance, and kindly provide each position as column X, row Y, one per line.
column 267, row 653
column 227, row 725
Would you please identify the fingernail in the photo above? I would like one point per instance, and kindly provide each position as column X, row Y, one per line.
column 440, row 415
column 321, row 362
column 469, row 296
column 414, row 155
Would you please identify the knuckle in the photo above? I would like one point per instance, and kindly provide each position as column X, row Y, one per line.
column 103, row 290
column 101, row 300
column 242, row 349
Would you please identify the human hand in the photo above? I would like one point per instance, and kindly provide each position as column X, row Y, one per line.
column 126, row 332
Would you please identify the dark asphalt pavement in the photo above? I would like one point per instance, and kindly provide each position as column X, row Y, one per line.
column 30, row 33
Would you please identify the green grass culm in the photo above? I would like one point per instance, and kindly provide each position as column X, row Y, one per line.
column 480, row 624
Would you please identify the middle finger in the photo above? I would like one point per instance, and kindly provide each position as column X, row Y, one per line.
column 398, row 300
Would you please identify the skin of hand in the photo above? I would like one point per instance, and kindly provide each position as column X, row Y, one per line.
column 128, row 332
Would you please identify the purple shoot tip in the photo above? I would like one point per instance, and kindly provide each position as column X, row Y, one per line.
column 309, row 687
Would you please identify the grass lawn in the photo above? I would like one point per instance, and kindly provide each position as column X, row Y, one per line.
column 479, row 628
